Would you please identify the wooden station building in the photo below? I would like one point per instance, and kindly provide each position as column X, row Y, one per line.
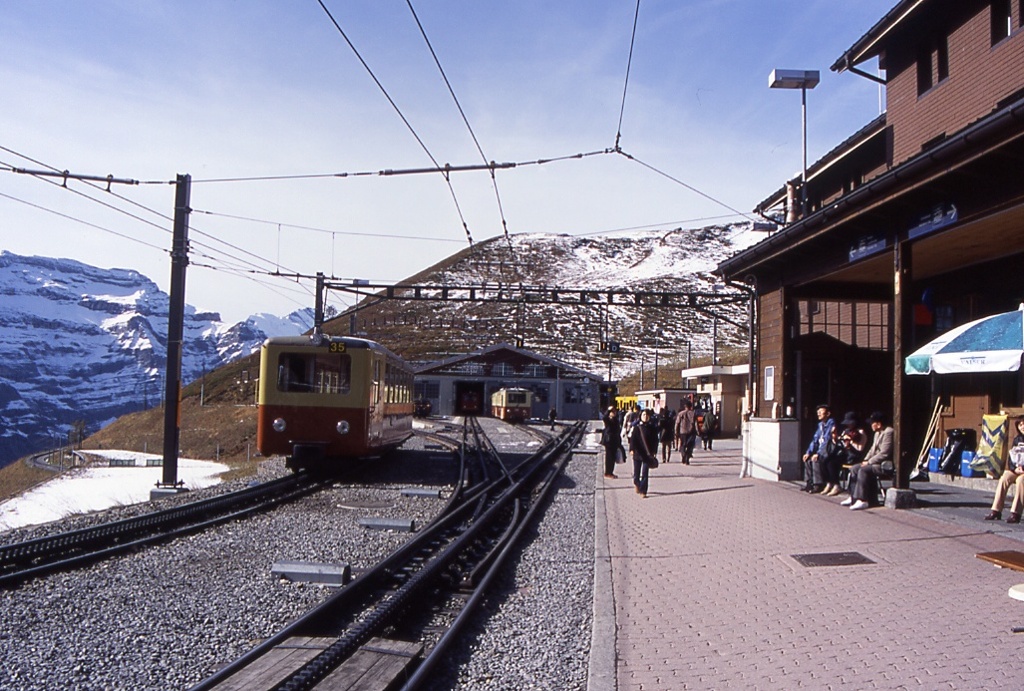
column 913, row 225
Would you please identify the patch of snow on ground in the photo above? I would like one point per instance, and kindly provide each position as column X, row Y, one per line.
column 92, row 489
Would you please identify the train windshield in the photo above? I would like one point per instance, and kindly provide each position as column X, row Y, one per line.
column 516, row 397
column 314, row 373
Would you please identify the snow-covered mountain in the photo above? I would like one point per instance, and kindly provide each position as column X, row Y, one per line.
column 82, row 343
column 679, row 260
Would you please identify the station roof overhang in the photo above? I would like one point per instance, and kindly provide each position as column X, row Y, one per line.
column 977, row 170
column 872, row 134
column 903, row 17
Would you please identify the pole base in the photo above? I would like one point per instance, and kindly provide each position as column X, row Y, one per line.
column 162, row 491
column 900, row 498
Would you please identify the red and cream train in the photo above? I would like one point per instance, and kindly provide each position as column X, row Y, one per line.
column 323, row 399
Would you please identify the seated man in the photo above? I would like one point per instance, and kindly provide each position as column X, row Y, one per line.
column 814, row 480
column 877, row 463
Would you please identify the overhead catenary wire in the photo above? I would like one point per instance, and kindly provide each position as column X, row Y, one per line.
column 676, row 180
column 112, row 207
column 88, row 180
column 50, row 181
column 658, row 226
column 82, row 221
column 462, row 112
column 315, row 229
column 252, row 275
column 618, row 132
column 447, row 169
column 238, row 266
column 625, row 85
column 447, row 178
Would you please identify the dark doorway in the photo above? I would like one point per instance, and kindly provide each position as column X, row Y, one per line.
column 469, row 398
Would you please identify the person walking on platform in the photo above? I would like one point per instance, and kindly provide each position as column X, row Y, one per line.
column 611, row 439
column 686, row 431
column 1013, row 475
column 707, row 429
column 666, row 433
column 877, row 463
column 814, row 481
column 644, row 443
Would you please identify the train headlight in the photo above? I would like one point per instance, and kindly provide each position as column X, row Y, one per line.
column 279, row 424
column 343, row 427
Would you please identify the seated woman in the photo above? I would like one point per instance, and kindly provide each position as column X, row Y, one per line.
column 846, row 448
column 1013, row 475
column 877, row 463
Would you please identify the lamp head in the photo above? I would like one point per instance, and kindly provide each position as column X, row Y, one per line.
column 793, row 79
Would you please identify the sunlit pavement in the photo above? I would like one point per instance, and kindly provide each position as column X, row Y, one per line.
column 697, row 586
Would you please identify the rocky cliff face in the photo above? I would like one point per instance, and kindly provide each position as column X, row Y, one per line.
column 89, row 344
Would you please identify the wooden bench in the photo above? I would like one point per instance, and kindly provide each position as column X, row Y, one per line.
column 1008, row 559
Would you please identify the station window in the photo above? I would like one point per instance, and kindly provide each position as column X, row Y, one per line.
column 427, row 389
column 1002, row 20
column 861, row 324
column 924, row 70
column 942, row 58
column 932, row 63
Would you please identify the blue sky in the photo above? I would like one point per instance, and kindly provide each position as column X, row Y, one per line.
column 147, row 89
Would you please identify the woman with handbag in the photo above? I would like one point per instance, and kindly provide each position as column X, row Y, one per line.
column 1013, row 475
column 644, row 445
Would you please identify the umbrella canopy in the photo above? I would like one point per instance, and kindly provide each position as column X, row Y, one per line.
column 990, row 344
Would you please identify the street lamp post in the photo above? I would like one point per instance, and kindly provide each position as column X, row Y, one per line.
column 657, row 339
column 803, row 80
column 714, row 329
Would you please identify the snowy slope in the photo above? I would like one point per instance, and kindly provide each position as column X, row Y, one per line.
column 679, row 260
column 82, row 343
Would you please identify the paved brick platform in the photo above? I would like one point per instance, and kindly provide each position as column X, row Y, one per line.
column 697, row 587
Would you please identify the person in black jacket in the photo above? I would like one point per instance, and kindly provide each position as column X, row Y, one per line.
column 611, row 440
column 666, row 433
column 644, row 443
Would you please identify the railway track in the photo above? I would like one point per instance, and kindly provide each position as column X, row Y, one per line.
column 23, row 560
column 390, row 626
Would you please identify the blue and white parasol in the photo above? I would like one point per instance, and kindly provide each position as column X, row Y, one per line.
column 990, row 344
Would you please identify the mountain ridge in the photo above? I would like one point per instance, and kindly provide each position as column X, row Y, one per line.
column 677, row 260
column 84, row 344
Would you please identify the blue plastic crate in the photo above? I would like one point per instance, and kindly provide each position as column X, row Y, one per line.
column 965, row 465
column 934, row 456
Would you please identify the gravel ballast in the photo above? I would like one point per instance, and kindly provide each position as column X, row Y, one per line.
column 170, row 615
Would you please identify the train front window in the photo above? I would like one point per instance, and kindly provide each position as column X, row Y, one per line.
column 314, row 373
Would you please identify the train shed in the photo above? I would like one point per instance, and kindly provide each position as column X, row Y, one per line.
column 463, row 384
